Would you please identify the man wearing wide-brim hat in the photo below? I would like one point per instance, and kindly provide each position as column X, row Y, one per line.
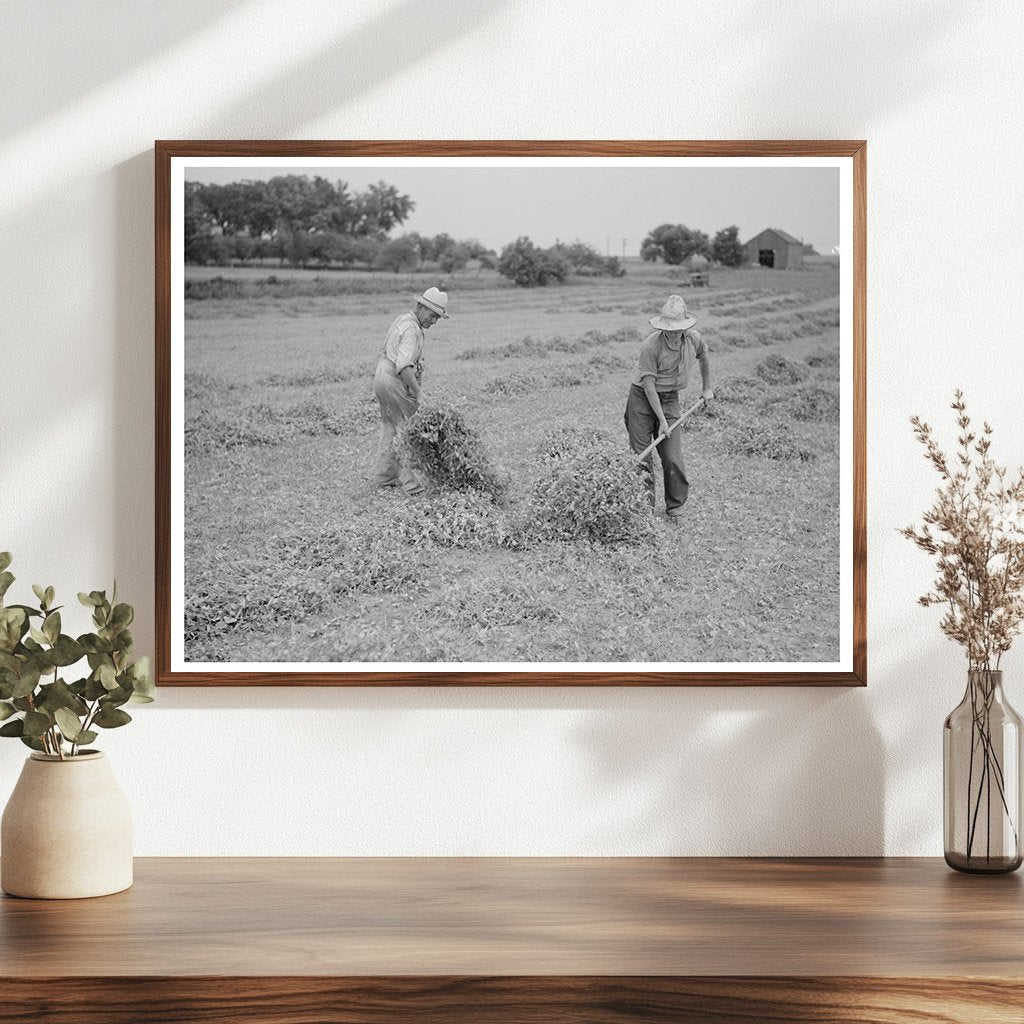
column 661, row 372
column 396, row 384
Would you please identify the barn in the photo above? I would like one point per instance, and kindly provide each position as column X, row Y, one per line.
column 775, row 248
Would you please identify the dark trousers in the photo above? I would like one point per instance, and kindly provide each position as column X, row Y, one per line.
column 642, row 427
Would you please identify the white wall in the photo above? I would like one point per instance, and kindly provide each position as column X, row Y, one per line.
column 86, row 87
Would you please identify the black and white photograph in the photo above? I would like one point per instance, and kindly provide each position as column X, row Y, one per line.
column 516, row 415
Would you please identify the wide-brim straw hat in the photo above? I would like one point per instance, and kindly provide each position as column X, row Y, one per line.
column 674, row 316
column 437, row 300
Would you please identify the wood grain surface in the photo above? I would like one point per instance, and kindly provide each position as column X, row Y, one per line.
column 309, row 940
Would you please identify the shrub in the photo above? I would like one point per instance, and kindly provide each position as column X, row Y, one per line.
column 776, row 369
column 449, row 452
column 528, row 266
column 593, row 492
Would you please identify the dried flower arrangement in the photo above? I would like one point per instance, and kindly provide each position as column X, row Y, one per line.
column 975, row 529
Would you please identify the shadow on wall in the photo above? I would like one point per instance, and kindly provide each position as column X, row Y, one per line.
column 388, row 44
column 817, row 75
column 739, row 772
column 49, row 63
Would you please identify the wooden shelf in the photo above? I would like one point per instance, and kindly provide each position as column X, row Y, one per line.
column 503, row 940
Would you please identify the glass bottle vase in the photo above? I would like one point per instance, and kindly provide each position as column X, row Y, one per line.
column 981, row 773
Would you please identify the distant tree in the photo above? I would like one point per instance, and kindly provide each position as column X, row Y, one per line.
column 398, row 254
column 380, row 208
column 673, row 243
column 475, row 249
column 726, row 248
column 528, row 265
column 585, row 259
column 453, row 258
column 198, row 225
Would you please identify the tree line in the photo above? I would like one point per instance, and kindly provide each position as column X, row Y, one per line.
column 307, row 221
column 303, row 221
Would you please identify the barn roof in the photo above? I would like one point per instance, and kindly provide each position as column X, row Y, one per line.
column 784, row 235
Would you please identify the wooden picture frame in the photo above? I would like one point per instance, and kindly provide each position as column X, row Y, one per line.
column 175, row 159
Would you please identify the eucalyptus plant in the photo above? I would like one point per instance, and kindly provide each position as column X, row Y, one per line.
column 46, row 712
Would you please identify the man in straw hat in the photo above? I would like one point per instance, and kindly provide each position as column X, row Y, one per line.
column 396, row 384
column 661, row 371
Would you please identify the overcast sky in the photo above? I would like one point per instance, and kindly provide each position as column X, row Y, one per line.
column 599, row 205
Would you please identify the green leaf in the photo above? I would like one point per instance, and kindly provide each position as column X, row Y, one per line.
column 22, row 703
column 15, row 728
column 36, row 723
column 142, row 678
column 59, row 695
column 69, row 724
column 6, row 710
column 27, row 681
column 6, row 579
column 89, row 600
column 5, row 559
column 51, row 626
column 122, row 616
column 38, row 635
column 107, row 718
column 94, row 689
column 115, row 698
column 87, row 736
column 66, row 651
column 31, row 741
column 9, row 662
column 107, row 676
column 12, row 621
column 49, row 596
column 28, row 610
column 40, row 592
column 87, row 641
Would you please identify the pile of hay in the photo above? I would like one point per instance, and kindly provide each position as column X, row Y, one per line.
column 449, row 452
column 587, row 488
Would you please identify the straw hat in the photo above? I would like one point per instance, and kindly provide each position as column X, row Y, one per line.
column 435, row 299
column 674, row 316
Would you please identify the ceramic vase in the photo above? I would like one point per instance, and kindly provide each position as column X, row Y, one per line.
column 66, row 831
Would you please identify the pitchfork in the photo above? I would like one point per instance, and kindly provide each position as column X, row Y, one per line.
column 654, row 444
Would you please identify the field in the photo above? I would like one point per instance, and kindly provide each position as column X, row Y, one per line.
column 291, row 554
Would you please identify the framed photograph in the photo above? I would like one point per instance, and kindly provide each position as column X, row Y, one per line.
column 528, row 413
